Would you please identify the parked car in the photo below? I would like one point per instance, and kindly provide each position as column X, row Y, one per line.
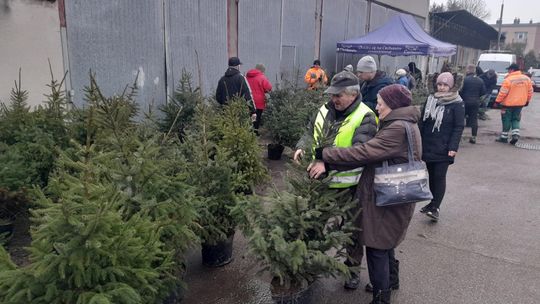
column 535, row 77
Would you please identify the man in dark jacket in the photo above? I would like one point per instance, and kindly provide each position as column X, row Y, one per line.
column 490, row 81
column 360, row 125
column 373, row 80
column 234, row 84
column 472, row 92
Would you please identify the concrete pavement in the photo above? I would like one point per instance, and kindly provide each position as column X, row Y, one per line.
column 483, row 250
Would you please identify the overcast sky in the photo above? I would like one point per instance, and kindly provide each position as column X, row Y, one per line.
column 522, row 9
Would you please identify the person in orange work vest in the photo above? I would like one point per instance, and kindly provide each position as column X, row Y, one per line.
column 316, row 77
column 515, row 93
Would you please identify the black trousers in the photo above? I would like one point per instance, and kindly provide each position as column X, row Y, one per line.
column 258, row 120
column 437, row 181
column 378, row 262
column 471, row 111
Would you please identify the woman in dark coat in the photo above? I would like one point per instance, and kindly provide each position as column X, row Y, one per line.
column 383, row 228
column 441, row 127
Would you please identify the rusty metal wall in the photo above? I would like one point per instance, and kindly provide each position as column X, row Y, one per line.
column 298, row 39
column 259, row 35
column 117, row 39
column 199, row 26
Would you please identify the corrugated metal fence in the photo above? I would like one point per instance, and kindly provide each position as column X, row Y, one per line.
column 117, row 39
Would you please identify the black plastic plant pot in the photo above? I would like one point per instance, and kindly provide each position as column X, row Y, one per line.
column 219, row 254
column 301, row 296
column 176, row 296
column 275, row 151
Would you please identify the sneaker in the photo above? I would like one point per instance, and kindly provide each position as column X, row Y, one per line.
column 472, row 140
column 433, row 214
column 514, row 139
column 353, row 282
column 426, row 208
column 502, row 140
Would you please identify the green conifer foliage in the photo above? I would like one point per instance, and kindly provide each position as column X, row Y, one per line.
column 288, row 113
column 294, row 231
column 212, row 172
column 84, row 250
column 179, row 112
column 148, row 168
column 232, row 131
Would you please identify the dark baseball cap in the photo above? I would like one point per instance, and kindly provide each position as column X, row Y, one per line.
column 513, row 66
column 340, row 81
column 234, row 61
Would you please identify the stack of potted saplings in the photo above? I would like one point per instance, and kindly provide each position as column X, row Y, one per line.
column 288, row 113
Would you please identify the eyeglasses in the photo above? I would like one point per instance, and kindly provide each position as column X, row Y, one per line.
column 337, row 95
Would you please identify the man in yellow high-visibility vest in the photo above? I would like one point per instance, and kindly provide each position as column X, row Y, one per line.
column 358, row 124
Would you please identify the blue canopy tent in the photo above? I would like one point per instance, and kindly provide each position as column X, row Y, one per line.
column 400, row 36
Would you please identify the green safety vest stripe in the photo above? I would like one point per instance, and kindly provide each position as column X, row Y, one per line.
column 344, row 179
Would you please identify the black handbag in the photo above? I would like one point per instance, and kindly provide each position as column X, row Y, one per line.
column 402, row 183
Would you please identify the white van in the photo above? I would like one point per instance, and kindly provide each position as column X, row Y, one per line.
column 499, row 62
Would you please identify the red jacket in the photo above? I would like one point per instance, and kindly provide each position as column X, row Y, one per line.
column 259, row 85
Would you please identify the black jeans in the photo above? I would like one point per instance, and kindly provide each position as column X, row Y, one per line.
column 378, row 262
column 437, row 181
column 258, row 120
column 471, row 111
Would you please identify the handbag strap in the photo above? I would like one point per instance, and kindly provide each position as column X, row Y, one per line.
column 409, row 142
column 410, row 148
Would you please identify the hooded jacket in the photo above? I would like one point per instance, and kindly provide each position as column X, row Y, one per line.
column 382, row 227
column 371, row 88
column 259, row 85
column 233, row 83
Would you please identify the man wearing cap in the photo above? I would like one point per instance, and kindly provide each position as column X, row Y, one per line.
column 316, row 77
column 515, row 93
column 357, row 124
column 373, row 80
column 234, row 84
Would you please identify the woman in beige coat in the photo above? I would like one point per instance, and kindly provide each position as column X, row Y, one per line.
column 383, row 228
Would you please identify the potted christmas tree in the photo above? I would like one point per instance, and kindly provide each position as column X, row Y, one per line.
column 288, row 113
column 292, row 234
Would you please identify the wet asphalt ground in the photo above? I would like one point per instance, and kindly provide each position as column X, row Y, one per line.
column 484, row 249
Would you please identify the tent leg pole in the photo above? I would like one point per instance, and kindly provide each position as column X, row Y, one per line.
column 335, row 70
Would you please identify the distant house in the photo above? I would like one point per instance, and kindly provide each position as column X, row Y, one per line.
column 526, row 33
column 469, row 33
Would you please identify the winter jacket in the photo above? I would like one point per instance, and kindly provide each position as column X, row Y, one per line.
column 259, row 85
column 404, row 81
column 371, row 88
column 490, row 81
column 233, row 83
column 363, row 133
column 315, row 77
column 473, row 89
column 381, row 227
column 437, row 142
column 516, row 90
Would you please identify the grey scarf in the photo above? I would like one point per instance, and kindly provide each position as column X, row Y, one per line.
column 435, row 106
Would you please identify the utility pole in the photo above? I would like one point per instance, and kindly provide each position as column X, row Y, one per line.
column 500, row 25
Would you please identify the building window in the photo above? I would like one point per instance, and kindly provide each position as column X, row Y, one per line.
column 520, row 37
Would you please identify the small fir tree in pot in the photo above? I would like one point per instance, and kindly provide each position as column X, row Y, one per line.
column 292, row 234
column 288, row 113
